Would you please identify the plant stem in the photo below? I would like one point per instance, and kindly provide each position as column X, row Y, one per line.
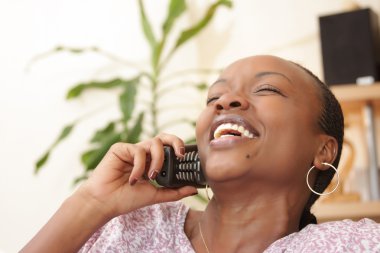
column 153, row 105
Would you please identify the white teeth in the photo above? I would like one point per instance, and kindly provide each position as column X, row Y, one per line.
column 220, row 131
column 226, row 135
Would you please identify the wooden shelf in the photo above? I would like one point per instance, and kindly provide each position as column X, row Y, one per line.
column 356, row 93
column 347, row 210
column 352, row 97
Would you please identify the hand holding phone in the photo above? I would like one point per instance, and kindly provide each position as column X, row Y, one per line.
column 177, row 172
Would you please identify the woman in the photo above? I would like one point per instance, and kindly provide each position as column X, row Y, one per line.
column 288, row 122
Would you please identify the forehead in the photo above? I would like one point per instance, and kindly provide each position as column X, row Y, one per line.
column 258, row 66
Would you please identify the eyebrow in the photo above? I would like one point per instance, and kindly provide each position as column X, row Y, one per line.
column 258, row 75
column 221, row 80
column 268, row 73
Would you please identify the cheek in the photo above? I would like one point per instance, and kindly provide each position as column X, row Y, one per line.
column 289, row 142
column 202, row 134
column 290, row 134
column 201, row 125
column 202, row 130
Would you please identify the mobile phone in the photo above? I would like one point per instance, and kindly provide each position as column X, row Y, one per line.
column 177, row 172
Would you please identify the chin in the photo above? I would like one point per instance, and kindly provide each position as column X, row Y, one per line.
column 221, row 169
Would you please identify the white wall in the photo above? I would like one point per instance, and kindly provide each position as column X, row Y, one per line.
column 32, row 105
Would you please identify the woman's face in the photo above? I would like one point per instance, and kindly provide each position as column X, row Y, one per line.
column 260, row 122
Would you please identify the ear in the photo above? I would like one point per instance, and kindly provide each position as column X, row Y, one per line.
column 327, row 151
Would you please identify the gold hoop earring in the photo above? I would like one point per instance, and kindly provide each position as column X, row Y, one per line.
column 208, row 196
column 318, row 193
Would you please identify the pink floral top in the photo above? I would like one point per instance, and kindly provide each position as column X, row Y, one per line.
column 160, row 228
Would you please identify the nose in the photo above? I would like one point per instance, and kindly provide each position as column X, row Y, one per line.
column 231, row 101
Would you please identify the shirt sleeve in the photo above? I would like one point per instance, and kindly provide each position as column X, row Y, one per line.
column 339, row 236
column 149, row 229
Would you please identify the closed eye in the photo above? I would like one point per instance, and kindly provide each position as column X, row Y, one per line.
column 211, row 99
column 267, row 89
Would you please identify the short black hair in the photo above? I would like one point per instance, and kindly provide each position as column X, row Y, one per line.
column 331, row 122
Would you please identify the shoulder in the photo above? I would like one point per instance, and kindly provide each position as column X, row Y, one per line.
column 161, row 213
column 337, row 236
column 144, row 230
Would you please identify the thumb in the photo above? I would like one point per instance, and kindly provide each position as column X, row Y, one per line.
column 169, row 194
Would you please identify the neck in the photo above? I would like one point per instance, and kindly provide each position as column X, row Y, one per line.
column 248, row 220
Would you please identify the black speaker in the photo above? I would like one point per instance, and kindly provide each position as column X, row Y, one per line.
column 350, row 46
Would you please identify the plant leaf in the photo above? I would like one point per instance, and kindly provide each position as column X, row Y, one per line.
column 202, row 86
column 41, row 161
column 146, row 26
column 194, row 30
column 103, row 133
column 135, row 132
column 82, row 177
column 91, row 158
column 193, row 123
column 175, row 10
column 157, row 54
column 127, row 99
column 87, row 156
column 201, row 198
column 60, row 49
column 64, row 133
column 75, row 50
column 78, row 89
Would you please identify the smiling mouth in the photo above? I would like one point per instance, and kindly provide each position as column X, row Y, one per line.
column 229, row 129
column 232, row 126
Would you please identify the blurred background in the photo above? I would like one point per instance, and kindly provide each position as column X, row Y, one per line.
column 33, row 108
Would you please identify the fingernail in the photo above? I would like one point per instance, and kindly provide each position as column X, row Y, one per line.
column 182, row 150
column 133, row 181
column 153, row 175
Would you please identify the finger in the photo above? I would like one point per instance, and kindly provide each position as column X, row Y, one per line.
column 166, row 139
column 168, row 194
column 157, row 157
column 139, row 160
column 154, row 148
column 121, row 158
column 118, row 157
column 174, row 141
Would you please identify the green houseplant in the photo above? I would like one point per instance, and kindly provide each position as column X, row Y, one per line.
column 129, row 127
